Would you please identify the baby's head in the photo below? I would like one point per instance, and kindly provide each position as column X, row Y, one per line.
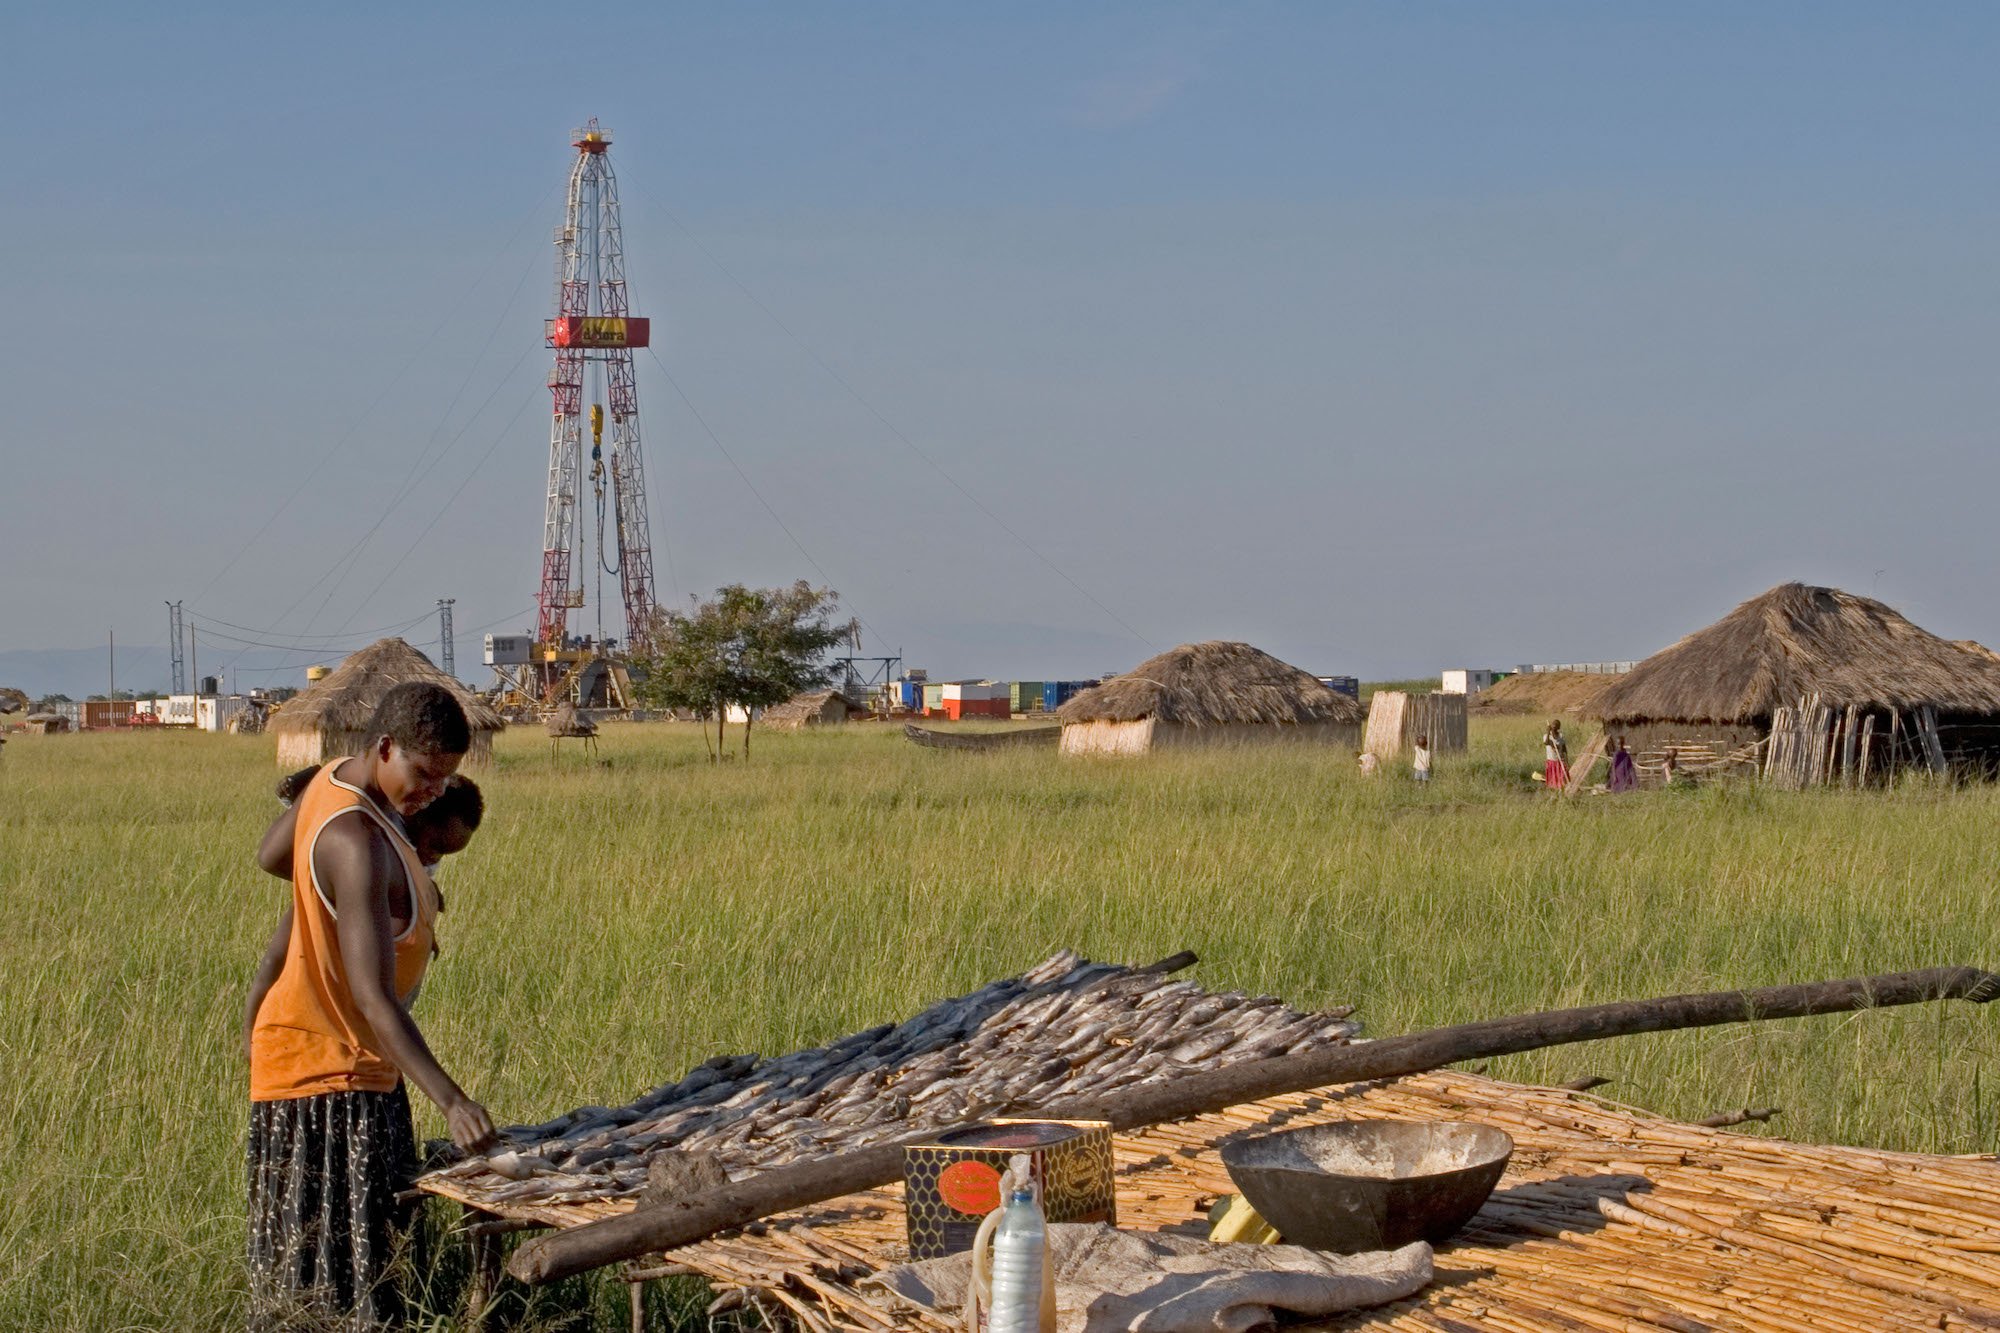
column 446, row 825
column 1423, row 742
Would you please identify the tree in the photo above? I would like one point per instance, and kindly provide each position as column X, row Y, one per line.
column 750, row 647
column 47, row 703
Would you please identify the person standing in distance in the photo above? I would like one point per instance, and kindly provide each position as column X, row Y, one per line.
column 1555, row 756
column 331, row 1143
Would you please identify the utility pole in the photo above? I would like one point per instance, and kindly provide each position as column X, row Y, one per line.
column 178, row 663
column 445, row 648
column 112, row 645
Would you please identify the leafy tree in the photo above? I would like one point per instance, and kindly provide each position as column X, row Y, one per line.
column 750, row 647
column 48, row 702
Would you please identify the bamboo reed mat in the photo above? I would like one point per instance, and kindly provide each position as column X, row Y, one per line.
column 1608, row 1221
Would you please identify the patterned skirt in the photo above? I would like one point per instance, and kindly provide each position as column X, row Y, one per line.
column 326, row 1232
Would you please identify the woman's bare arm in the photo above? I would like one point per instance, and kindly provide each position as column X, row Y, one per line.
column 274, row 854
column 268, row 968
column 358, row 864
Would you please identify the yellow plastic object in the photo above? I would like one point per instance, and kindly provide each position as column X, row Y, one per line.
column 1231, row 1219
column 597, row 423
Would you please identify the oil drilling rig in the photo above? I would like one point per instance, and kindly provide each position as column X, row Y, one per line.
column 593, row 334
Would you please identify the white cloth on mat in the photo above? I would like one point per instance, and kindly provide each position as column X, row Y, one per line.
column 1111, row 1281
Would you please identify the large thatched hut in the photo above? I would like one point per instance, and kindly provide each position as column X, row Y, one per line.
column 329, row 719
column 1887, row 693
column 1214, row 693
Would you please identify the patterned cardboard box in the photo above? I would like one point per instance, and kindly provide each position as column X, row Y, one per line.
column 950, row 1184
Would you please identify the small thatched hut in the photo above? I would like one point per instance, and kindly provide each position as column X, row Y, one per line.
column 566, row 723
column 1212, row 693
column 1895, row 694
column 329, row 719
column 815, row 708
column 45, row 724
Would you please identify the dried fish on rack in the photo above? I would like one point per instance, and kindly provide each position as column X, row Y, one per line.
column 1065, row 1025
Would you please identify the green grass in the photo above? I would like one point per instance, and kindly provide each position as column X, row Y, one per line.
column 614, row 924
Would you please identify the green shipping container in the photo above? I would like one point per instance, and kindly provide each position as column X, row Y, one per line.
column 933, row 697
column 1025, row 696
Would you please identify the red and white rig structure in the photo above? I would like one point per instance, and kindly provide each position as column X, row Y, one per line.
column 593, row 331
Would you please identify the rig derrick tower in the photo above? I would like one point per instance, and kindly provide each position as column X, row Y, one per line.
column 593, row 328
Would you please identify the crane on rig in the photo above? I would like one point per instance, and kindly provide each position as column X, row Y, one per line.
column 593, row 334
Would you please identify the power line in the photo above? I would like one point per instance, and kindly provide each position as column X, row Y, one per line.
column 280, row 634
column 216, row 639
column 348, row 559
column 730, row 458
column 452, row 499
column 424, row 460
column 355, row 425
column 889, row 425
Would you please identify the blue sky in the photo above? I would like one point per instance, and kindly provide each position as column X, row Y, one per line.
column 1385, row 336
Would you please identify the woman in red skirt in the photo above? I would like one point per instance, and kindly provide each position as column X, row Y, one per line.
column 1555, row 757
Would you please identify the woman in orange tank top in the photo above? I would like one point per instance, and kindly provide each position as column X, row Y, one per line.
column 331, row 1144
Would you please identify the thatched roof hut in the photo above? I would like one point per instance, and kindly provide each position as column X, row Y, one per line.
column 1205, row 694
column 45, row 724
column 814, row 708
column 1797, row 640
column 565, row 721
column 1810, row 685
column 329, row 719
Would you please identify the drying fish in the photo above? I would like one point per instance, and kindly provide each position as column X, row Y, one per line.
column 1063, row 1028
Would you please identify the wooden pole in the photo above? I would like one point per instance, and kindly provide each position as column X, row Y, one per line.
column 672, row 1223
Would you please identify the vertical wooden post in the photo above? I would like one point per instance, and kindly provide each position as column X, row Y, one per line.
column 1927, row 728
column 637, row 1293
column 486, row 1266
column 1847, row 749
column 1867, row 744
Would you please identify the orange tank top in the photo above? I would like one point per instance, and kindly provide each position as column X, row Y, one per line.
column 310, row 1036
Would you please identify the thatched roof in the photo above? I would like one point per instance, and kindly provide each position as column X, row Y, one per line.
column 345, row 698
column 1212, row 684
column 800, row 708
column 1796, row 640
column 566, row 721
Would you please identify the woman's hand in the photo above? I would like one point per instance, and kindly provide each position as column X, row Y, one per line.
column 471, row 1127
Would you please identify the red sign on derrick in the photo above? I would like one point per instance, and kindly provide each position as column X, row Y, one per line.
column 597, row 331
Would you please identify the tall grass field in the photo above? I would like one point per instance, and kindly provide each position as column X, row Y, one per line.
column 616, row 922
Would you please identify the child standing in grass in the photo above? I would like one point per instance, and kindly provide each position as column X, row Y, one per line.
column 331, row 1144
column 1420, row 759
column 1555, row 757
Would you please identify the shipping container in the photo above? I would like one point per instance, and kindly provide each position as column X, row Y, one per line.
column 99, row 713
column 960, row 709
column 212, row 712
column 934, row 698
column 1347, row 685
column 1056, row 693
column 1025, row 696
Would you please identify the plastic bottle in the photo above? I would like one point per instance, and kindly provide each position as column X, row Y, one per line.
column 1013, row 1282
column 1020, row 1256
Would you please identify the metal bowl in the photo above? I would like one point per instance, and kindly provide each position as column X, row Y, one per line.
column 1360, row 1185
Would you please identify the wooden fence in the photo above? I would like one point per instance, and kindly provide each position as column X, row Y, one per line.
column 1813, row 745
column 1396, row 719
